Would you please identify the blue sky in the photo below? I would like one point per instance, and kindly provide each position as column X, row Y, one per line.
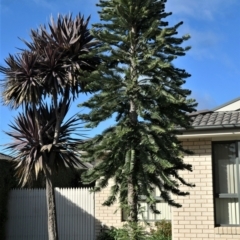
column 213, row 61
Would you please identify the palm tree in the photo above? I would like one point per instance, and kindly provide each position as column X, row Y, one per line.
column 44, row 80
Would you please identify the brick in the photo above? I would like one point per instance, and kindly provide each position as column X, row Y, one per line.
column 178, row 218
column 202, row 235
column 208, row 212
column 206, row 146
column 184, row 230
column 184, row 214
column 206, row 163
column 202, row 218
column 201, row 193
column 206, row 171
column 199, row 167
column 207, row 205
column 196, row 230
column 203, row 226
column 200, row 143
column 190, row 218
column 190, row 201
column 181, row 235
column 191, row 235
column 201, row 176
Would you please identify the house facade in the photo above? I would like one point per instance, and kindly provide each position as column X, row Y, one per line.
column 211, row 211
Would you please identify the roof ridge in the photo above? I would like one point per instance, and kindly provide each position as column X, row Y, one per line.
column 225, row 104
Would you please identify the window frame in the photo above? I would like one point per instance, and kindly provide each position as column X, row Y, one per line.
column 226, row 195
column 142, row 199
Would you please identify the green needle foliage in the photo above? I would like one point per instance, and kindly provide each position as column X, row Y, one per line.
column 144, row 90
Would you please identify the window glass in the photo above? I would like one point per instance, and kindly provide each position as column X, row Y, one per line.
column 225, row 168
column 227, row 211
column 145, row 213
column 226, row 183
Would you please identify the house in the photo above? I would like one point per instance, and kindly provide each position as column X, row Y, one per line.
column 211, row 211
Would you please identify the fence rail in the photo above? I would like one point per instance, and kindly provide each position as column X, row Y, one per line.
column 27, row 214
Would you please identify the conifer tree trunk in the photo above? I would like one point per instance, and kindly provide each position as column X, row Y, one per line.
column 51, row 209
column 132, row 193
column 132, row 200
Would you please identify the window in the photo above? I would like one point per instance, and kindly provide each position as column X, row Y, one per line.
column 147, row 214
column 226, row 183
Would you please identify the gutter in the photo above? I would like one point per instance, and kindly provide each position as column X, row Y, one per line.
column 210, row 127
column 228, row 130
column 209, row 135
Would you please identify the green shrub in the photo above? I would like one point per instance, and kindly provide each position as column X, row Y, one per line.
column 138, row 232
column 108, row 234
column 163, row 231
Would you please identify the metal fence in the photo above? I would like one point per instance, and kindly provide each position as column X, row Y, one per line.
column 27, row 214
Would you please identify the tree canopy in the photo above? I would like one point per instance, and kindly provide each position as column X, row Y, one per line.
column 141, row 87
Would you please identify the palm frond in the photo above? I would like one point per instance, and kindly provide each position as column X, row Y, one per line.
column 54, row 63
column 32, row 156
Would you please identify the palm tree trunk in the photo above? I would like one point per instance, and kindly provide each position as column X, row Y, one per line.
column 51, row 208
column 50, row 195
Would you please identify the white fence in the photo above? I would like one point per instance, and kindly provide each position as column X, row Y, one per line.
column 27, row 214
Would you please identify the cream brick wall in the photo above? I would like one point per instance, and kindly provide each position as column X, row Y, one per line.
column 195, row 220
column 106, row 215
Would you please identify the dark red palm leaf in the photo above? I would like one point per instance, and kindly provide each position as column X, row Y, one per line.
column 33, row 157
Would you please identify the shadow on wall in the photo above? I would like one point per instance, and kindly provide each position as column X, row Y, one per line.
column 27, row 214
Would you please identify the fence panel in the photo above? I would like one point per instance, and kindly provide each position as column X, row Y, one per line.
column 27, row 214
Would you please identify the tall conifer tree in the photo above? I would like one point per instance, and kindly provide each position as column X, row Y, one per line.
column 143, row 90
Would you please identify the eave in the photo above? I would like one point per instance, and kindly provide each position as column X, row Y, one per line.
column 223, row 131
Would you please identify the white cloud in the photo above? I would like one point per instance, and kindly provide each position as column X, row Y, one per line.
column 204, row 100
column 231, row 64
column 46, row 4
column 200, row 9
column 201, row 41
column 201, row 20
column 5, row 7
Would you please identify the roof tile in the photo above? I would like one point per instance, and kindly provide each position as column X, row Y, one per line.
column 216, row 119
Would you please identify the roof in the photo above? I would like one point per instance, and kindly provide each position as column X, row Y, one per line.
column 224, row 116
column 216, row 119
column 83, row 165
column 4, row 157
